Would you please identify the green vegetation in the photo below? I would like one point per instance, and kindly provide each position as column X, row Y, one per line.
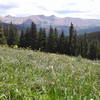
column 34, row 75
column 52, row 41
column 2, row 37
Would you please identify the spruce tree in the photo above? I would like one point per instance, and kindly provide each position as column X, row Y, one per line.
column 13, row 37
column 42, row 39
column 75, row 44
column 27, row 38
column 85, row 46
column 62, row 45
column 52, row 40
column 2, row 37
column 22, row 39
column 94, row 50
column 33, row 36
column 55, row 43
column 71, row 39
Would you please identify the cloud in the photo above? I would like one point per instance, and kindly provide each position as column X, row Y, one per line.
column 6, row 7
column 60, row 8
column 42, row 8
column 68, row 11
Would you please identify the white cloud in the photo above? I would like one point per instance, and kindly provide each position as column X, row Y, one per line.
column 87, row 8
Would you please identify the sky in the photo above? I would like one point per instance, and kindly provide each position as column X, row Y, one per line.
column 62, row 8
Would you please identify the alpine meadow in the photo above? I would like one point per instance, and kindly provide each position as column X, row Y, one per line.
column 49, row 50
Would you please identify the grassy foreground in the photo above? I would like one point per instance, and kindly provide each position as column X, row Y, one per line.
column 28, row 75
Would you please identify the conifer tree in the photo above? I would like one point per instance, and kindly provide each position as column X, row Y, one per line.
column 6, row 31
column 13, row 37
column 22, row 39
column 55, row 39
column 62, row 45
column 33, row 36
column 75, row 45
column 27, row 38
column 2, row 37
column 71, row 39
column 52, row 40
column 94, row 50
column 85, row 46
column 42, row 39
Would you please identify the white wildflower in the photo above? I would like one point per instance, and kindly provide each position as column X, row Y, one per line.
column 51, row 67
column 95, row 63
column 17, row 90
column 91, row 99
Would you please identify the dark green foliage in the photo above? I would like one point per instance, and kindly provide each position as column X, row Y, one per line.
column 71, row 32
column 30, row 37
column 62, row 43
column 2, row 36
column 94, row 50
column 40, row 36
column 33, row 36
column 13, row 37
column 72, row 41
column 27, row 38
column 87, row 45
column 94, row 35
column 75, row 44
column 22, row 39
column 42, row 40
column 52, row 40
column 55, row 44
column 6, row 32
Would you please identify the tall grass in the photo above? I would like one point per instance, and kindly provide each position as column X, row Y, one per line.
column 31, row 75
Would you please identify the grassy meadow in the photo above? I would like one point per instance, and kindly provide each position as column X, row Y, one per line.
column 34, row 75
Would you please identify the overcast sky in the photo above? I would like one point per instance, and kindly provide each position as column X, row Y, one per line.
column 60, row 8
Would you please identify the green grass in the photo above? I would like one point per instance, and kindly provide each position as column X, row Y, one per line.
column 34, row 75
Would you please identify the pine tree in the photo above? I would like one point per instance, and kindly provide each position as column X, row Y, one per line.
column 30, row 37
column 55, row 43
column 85, row 46
column 6, row 31
column 71, row 39
column 42, row 39
column 13, row 37
column 62, row 44
column 33, row 36
column 2, row 37
column 94, row 51
column 22, row 39
column 52, row 40
column 75, row 44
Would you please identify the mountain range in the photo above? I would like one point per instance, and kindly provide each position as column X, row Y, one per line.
column 81, row 25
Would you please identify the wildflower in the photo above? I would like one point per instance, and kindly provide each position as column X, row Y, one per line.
column 51, row 67
column 91, row 99
column 15, row 46
column 17, row 90
column 52, row 83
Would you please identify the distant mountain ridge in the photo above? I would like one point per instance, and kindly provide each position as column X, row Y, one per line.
column 82, row 25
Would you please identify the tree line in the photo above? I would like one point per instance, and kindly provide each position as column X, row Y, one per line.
column 73, row 45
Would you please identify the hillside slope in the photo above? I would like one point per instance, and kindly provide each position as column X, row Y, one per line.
column 94, row 35
column 34, row 75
